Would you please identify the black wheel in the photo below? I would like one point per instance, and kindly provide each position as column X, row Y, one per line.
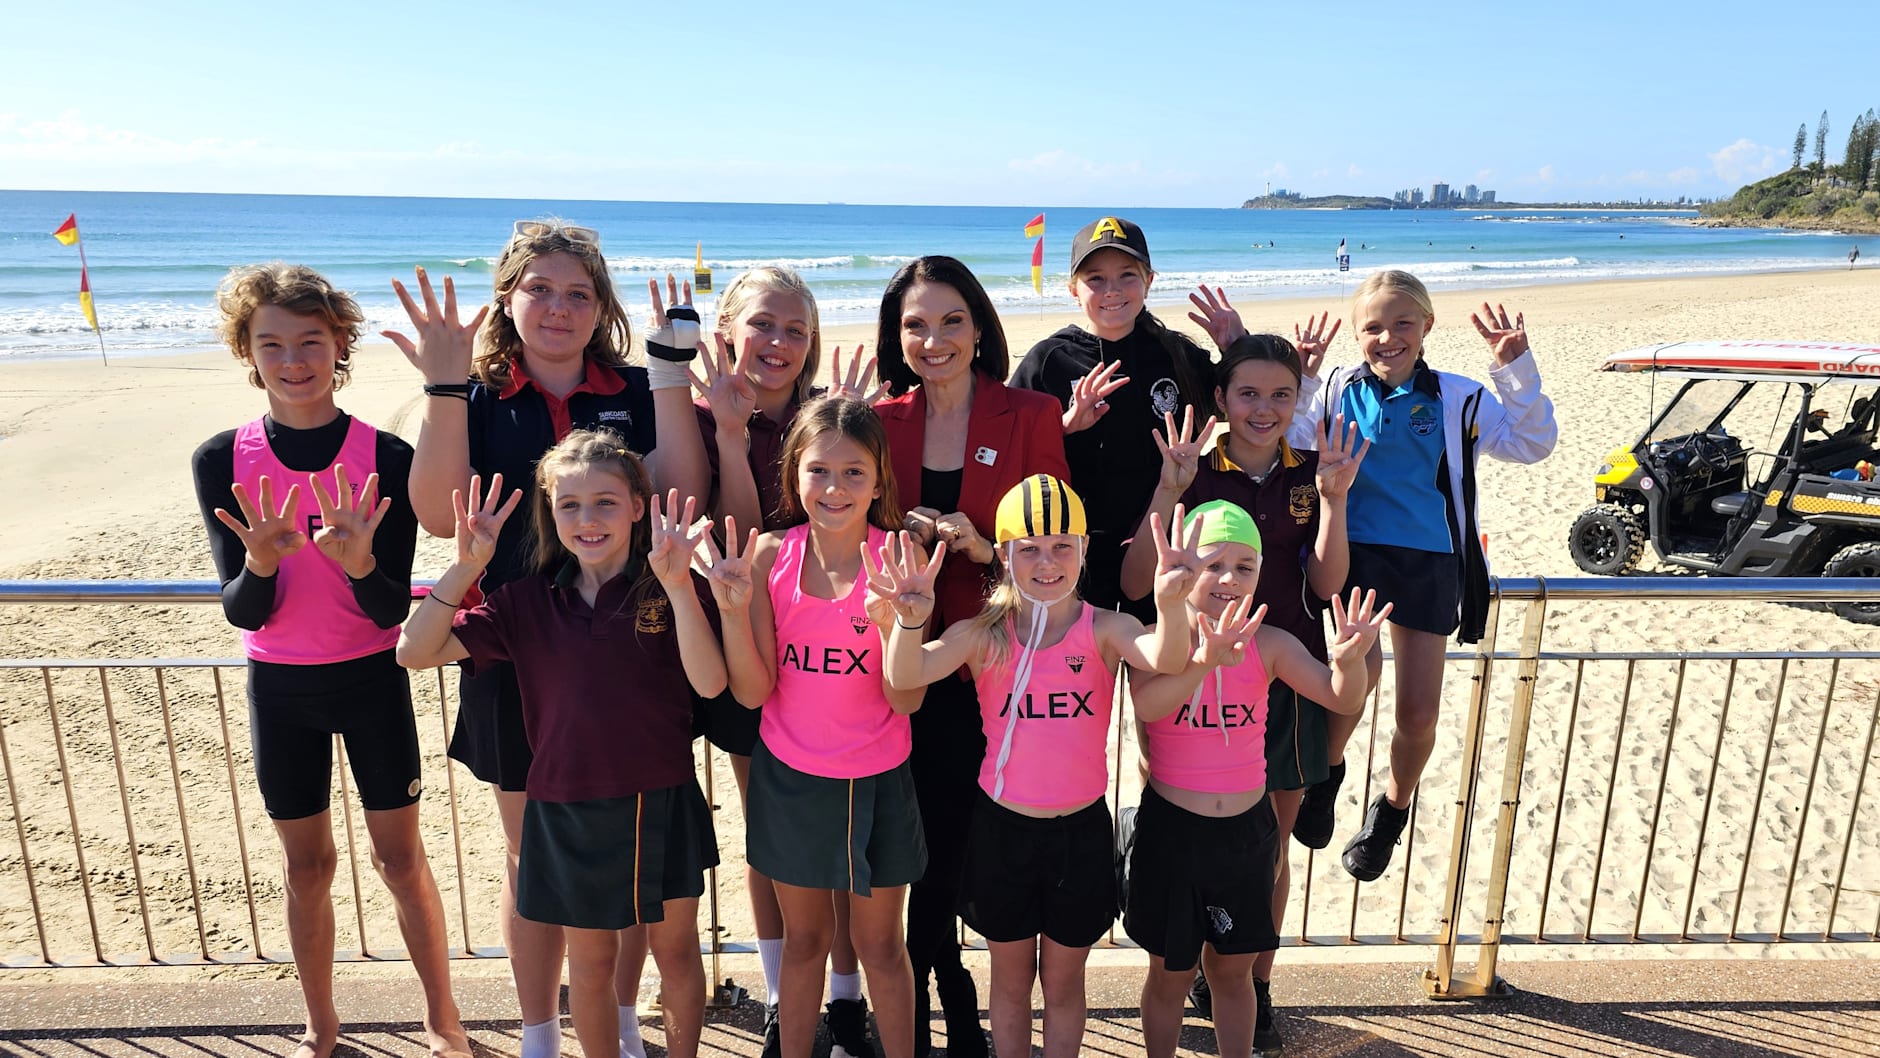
column 1606, row 539
column 1856, row 560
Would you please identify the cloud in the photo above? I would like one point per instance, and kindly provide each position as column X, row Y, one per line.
column 1353, row 171
column 1745, row 161
column 1545, row 174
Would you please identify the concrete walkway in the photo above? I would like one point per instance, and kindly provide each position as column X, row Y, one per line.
column 1746, row 1007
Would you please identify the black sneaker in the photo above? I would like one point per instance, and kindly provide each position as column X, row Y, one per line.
column 1313, row 827
column 1368, row 853
column 1201, row 996
column 773, row 1040
column 847, row 1022
column 1266, row 1038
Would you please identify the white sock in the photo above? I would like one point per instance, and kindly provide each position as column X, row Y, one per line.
column 630, row 1045
column 770, row 953
column 845, row 986
column 543, row 1040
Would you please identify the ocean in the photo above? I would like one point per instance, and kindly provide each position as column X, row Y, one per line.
column 155, row 259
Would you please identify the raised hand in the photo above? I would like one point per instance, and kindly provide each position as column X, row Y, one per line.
column 676, row 295
column 1181, row 449
column 1216, row 316
column 675, row 537
column 1312, row 341
column 899, row 575
column 1506, row 340
column 855, row 381
column 1355, row 625
column 726, row 384
column 1177, row 556
column 480, row 520
column 347, row 525
column 1339, row 457
column 1224, row 639
column 730, row 571
column 1088, row 403
column 269, row 533
column 445, row 347
column 960, row 535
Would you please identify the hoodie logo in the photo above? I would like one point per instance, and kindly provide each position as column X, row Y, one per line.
column 860, row 624
column 1165, row 397
column 1075, row 661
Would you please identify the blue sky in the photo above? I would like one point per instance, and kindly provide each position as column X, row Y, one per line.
column 1197, row 104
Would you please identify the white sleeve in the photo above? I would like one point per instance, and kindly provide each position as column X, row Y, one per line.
column 1517, row 423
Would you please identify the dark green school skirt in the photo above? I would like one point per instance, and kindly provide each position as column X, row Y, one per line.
column 614, row 862
column 820, row 833
column 1296, row 741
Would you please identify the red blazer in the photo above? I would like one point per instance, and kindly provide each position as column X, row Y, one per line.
column 1011, row 433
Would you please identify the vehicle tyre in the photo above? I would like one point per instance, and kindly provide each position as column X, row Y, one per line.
column 1856, row 560
column 1606, row 539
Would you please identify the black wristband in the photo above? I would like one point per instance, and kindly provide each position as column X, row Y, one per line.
column 453, row 605
column 460, row 390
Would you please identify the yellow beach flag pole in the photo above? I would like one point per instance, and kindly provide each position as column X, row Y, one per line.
column 67, row 233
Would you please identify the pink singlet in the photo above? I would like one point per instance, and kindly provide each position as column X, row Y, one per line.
column 1216, row 741
column 828, row 714
column 1059, row 755
column 315, row 619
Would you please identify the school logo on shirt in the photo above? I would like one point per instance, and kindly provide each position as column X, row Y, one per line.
column 1165, row 396
column 620, row 416
column 1422, row 420
column 1075, row 661
column 1301, row 502
column 653, row 617
column 860, row 624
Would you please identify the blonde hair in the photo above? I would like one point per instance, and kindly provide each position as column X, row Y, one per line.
column 297, row 289
column 768, row 279
column 1395, row 281
column 857, row 421
column 1004, row 604
column 588, row 450
column 499, row 343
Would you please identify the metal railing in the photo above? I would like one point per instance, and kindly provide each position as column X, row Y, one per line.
column 1621, row 798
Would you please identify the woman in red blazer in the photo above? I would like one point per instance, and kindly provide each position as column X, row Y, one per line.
column 958, row 438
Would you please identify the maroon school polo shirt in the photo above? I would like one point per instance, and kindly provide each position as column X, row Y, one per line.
column 765, row 456
column 605, row 699
column 1286, row 508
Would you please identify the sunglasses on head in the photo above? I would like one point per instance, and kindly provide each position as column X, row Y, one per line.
column 574, row 233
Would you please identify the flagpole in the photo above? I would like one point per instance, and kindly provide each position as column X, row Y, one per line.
column 85, row 270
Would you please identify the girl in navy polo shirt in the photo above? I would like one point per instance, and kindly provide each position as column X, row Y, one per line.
column 545, row 357
column 608, row 639
column 1413, row 512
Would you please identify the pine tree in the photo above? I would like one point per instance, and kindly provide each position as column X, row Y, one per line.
column 1801, row 144
column 1854, row 163
column 1821, row 146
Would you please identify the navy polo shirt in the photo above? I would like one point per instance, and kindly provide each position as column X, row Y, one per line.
column 1398, row 498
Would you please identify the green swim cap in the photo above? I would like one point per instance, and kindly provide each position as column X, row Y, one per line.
column 1225, row 522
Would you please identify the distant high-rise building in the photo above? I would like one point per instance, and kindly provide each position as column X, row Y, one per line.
column 1439, row 194
column 1471, row 194
column 1488, row 198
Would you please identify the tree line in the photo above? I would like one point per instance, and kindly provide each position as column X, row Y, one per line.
column 1860, row 165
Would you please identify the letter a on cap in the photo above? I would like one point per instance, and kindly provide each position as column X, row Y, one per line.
column 1107, row 225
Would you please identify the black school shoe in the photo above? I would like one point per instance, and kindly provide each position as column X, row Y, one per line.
column 1317, row 807
column 1200, row 996
column 1266, row 1039
column 1368, row 853
column 847, row 1022
column 773, row 1038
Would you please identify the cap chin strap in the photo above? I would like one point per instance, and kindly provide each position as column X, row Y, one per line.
column 1021, row 670
column 1194, row 702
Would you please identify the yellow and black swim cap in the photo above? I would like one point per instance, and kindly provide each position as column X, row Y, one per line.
column 1040, row 505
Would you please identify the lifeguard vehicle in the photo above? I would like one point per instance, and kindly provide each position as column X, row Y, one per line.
column 1761, row 464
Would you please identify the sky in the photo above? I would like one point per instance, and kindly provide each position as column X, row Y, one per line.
column 956, row 103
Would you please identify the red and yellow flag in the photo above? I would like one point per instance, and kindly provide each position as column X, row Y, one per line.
column 1034, row 227
column 1037, row 267
column 84, row 297
column 67, row 233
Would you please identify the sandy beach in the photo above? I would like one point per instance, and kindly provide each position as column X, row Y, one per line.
column 94, row 468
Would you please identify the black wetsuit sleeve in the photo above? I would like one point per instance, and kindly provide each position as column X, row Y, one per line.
column 385, row 593
column 247, row 598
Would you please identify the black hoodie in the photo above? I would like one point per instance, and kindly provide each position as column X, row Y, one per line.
column 1115, row 463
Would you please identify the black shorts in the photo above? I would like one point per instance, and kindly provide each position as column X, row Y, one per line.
column 614, row 862
column 295, row 710
column 1296, row 740
column 1026, row 877
column 815, row 832
column 726, row 723
column 1195, row 879
column 489, row 738
column 1424, row 587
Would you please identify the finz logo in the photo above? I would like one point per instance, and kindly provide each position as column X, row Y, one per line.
column 1075, row 661
column 860, row 624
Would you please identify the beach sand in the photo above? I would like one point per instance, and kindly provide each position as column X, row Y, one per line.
column 94, row 471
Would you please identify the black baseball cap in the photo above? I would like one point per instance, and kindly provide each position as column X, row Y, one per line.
column 1108, row 233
